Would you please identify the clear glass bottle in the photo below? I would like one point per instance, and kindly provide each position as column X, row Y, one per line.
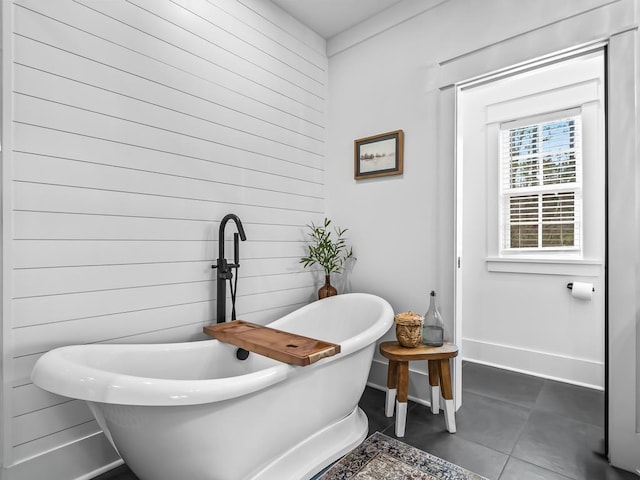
column 433, row 328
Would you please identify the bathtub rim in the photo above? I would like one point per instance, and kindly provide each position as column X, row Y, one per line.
column 60, row 374
column 357, row 341
column 59, row 371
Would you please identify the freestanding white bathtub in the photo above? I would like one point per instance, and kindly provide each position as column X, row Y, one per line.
column 194, row 411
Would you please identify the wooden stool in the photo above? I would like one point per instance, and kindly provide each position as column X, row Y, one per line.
column 439, row 378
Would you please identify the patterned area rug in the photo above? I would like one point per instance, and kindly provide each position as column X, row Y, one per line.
column 383, row 458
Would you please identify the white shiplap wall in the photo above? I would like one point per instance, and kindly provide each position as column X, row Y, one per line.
column 135, row 127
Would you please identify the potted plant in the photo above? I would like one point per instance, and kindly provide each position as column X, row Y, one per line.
column 329, row 251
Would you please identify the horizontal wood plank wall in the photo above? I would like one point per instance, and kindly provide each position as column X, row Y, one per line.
column 137, row 126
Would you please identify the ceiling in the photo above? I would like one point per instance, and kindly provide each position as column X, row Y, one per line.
column 330, row 17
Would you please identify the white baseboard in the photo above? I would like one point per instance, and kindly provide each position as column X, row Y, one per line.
column 80, row 460
column 577, row 371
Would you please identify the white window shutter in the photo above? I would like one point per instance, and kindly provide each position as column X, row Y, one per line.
column 541, row 186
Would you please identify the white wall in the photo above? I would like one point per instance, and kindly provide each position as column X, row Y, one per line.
column 403, row 226
column 129, row 130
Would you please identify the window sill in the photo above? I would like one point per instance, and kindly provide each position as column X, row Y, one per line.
column 545, row 266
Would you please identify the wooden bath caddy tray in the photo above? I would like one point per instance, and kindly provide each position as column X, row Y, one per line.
column 283, row 346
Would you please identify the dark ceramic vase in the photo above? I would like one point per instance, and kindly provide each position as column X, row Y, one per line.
column 327, row 290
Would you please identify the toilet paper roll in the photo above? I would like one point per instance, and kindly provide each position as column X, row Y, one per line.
column 582, row 290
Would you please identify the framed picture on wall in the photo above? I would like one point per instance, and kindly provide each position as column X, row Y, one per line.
column 378, row 155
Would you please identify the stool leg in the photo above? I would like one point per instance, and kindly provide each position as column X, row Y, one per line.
column 401, row 418
column 392, row 384
column 401, row 403
column 447, row 394
column 434, row 385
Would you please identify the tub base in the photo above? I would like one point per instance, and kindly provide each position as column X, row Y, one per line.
column 318, row 451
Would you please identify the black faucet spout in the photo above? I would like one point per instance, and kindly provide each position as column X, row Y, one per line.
column 223, row 225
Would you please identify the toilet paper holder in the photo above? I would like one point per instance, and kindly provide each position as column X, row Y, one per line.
column 570, row 287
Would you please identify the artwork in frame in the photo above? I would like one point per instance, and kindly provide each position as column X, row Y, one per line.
column 378, row 155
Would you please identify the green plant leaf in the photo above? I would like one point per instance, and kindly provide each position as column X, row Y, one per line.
column 331, row 254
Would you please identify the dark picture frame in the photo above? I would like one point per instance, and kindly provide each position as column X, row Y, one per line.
column 378, row 155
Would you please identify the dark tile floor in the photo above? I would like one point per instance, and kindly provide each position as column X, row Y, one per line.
column 510, row 427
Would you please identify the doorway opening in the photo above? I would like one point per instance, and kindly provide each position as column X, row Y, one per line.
column 531, row 219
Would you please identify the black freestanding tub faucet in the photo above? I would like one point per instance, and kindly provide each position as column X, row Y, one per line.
column 224, row 269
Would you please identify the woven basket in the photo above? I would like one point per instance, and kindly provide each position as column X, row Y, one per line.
column 409, row 329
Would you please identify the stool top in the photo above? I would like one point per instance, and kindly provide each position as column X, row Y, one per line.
column 395, row 351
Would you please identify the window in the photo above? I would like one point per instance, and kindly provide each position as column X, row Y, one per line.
column 541, row 186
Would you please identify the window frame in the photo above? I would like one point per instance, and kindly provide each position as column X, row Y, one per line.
column 506, row 193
